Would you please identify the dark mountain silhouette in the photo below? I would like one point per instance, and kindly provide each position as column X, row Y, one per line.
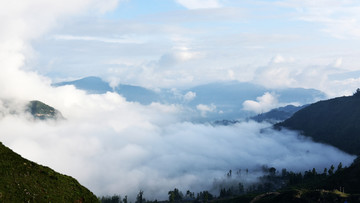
column 335, row 122
column 24, row 181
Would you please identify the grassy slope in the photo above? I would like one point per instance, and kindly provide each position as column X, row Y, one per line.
column 24, row 181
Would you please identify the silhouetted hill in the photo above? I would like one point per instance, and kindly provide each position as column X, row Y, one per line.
column 24, row 181
column 278, row 114
column 335, row 122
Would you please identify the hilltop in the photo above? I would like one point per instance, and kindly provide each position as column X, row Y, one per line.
column 42, row 111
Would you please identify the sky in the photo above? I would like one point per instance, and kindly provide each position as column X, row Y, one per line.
column 114, row 146
column 174, row 43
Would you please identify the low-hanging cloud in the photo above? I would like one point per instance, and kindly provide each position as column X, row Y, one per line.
column 113, row 146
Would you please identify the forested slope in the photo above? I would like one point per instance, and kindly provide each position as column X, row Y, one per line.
column 335, row 122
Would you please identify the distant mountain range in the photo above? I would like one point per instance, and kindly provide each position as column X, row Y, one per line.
column 24, row 181
column 225, row 98
column 273, row 116
column 95, row 85
column 278, row 114
column 335, row 122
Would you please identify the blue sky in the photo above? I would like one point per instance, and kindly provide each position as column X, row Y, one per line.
column 181, row 43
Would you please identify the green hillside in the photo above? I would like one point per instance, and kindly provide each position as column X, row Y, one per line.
column 24, row 181
column 42, row 111
column 335, row 122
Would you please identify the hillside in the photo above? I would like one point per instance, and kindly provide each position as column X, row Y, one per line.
column 335, row 122
column 24, row 181
column 42, row 111
column 344, row 185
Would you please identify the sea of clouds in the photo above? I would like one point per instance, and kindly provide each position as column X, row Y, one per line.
column 117, row 147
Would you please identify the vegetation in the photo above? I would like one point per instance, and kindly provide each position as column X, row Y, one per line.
column 335, row 184
column 335, row 122
column 24, row 181
column 42, row 111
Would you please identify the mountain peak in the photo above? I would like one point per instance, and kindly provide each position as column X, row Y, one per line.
column 42, row 111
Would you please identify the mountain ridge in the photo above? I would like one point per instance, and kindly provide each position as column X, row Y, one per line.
column 334, row 121
column 225, row 98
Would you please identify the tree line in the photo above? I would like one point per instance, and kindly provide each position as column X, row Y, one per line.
column 271, row 181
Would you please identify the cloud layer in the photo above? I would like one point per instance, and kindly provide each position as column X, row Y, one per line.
column 119, row 147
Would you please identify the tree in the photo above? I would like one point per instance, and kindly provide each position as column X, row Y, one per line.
column 190, row 195
column 229, row 174
column 139, row 197
column 283, row 172
column 175, row 195
column 272, row 171
column 357, row 93
column 325, row 171
column 241, row 188
column 339, row 166
column 331, row 170
column 205, row 196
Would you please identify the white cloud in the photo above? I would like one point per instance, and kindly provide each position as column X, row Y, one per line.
column 262, row 104
column 339, row 18
column 189, row 96
column 275, row 76
column 122, row 40
column 199, row 4
column 111, row 152
column 204, row 109
column 338, row 62
column 170, row 59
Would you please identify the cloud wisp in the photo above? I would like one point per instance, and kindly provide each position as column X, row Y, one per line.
column 199, row 4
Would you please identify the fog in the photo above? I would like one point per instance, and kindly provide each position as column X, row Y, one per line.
column 115, row 147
